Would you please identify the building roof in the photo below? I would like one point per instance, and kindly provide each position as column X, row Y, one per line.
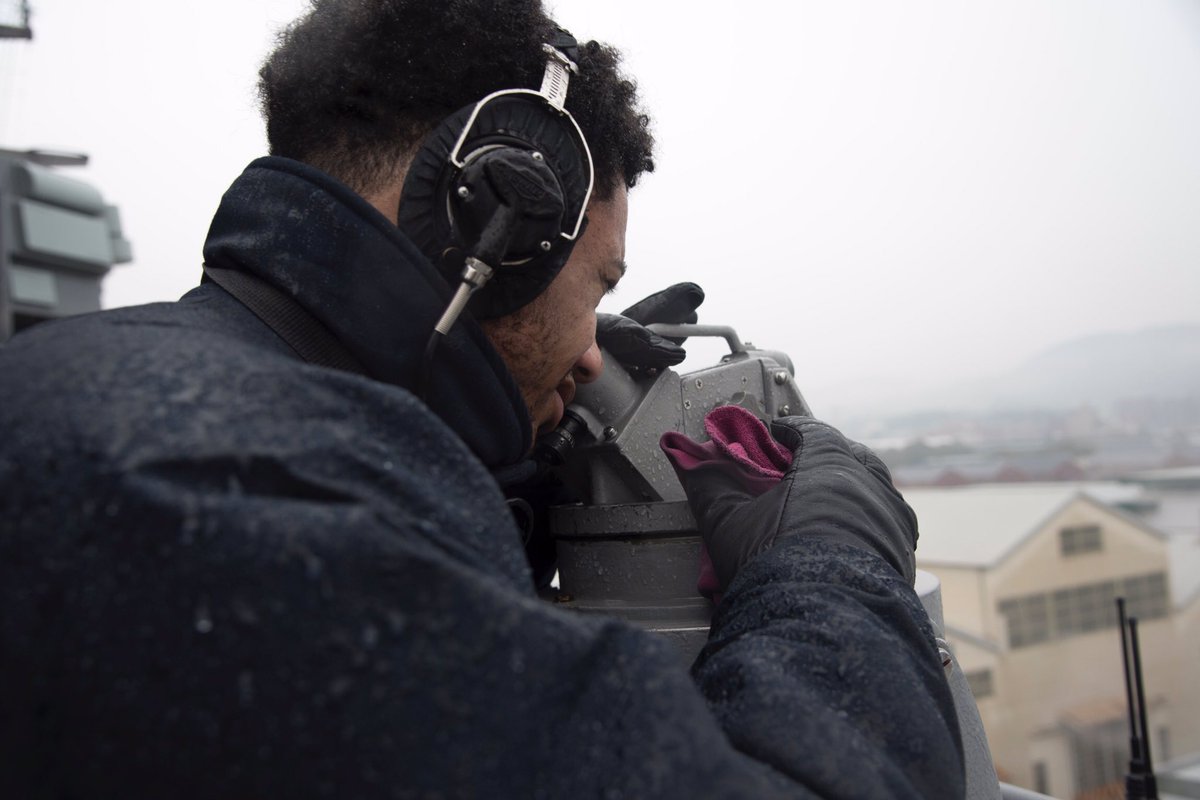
column 957, row 634
column 979, row 525
column 1179, row 778
column 1095, row 711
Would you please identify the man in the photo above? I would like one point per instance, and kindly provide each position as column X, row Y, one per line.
column 228, row 571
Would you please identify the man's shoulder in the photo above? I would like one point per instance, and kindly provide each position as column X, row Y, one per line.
column 204, row 313
column 204, row 356
column 166, row 406
column 175, row 378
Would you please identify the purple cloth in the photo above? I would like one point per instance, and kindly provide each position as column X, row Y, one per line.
column 740, row 445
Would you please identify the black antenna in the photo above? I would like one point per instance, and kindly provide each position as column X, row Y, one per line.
column 1148, row 777
column 1139, row 780
column 1135, row 743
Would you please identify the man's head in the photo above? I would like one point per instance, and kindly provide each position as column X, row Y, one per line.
column 355, row 86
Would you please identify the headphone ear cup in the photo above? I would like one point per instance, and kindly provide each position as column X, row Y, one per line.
column 426, row 185
column 432, row 214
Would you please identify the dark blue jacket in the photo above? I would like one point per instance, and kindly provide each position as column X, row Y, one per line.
column 227, row 573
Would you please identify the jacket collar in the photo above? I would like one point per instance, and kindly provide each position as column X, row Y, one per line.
column 321, row 243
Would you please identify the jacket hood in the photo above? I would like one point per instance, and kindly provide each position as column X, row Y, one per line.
column 314, row 238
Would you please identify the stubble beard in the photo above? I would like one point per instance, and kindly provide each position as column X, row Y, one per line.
column 520, row 339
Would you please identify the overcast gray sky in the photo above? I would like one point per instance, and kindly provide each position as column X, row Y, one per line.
column 894, row 193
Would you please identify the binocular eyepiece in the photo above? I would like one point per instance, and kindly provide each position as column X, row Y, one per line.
column 554, row 447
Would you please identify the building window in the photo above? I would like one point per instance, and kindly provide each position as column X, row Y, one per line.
column 1079, row 539
column 980, row 682
column 1099, row 757
column 1037, row 618
column 1146, row 595
column 1041, row 780
column 1028, row 619
column 1084, row 609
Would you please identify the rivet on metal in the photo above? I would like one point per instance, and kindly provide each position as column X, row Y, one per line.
column 785, row 410
column 944, row 653
column 537, row 156
column 699, row 383
column 545, row 246
column 781, row 377
column 610, row 433
column 687, row 403
column 464, row 192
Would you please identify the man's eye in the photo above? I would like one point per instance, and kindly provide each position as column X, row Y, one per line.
column 610, row 287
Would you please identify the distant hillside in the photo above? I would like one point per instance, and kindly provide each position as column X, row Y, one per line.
column 1102, row 369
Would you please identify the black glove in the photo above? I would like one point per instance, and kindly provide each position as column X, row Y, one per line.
column 835, row 489
column 674, row 305
column 636, row 347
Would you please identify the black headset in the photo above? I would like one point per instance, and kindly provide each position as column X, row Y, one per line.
column 496, row 197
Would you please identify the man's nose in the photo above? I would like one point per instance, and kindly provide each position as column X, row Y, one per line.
column 590, row 365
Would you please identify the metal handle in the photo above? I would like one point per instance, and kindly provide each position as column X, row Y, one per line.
column 724, row 331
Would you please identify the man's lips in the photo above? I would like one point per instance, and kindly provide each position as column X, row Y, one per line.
column 566, row 390
column 563, row 395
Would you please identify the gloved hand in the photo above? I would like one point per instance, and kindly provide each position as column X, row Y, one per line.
column 835, row 489
column 635, row 346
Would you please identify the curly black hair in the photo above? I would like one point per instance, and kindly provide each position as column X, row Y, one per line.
column 355, row 85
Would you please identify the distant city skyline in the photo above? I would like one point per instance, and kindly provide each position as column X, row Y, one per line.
column 893, row 194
